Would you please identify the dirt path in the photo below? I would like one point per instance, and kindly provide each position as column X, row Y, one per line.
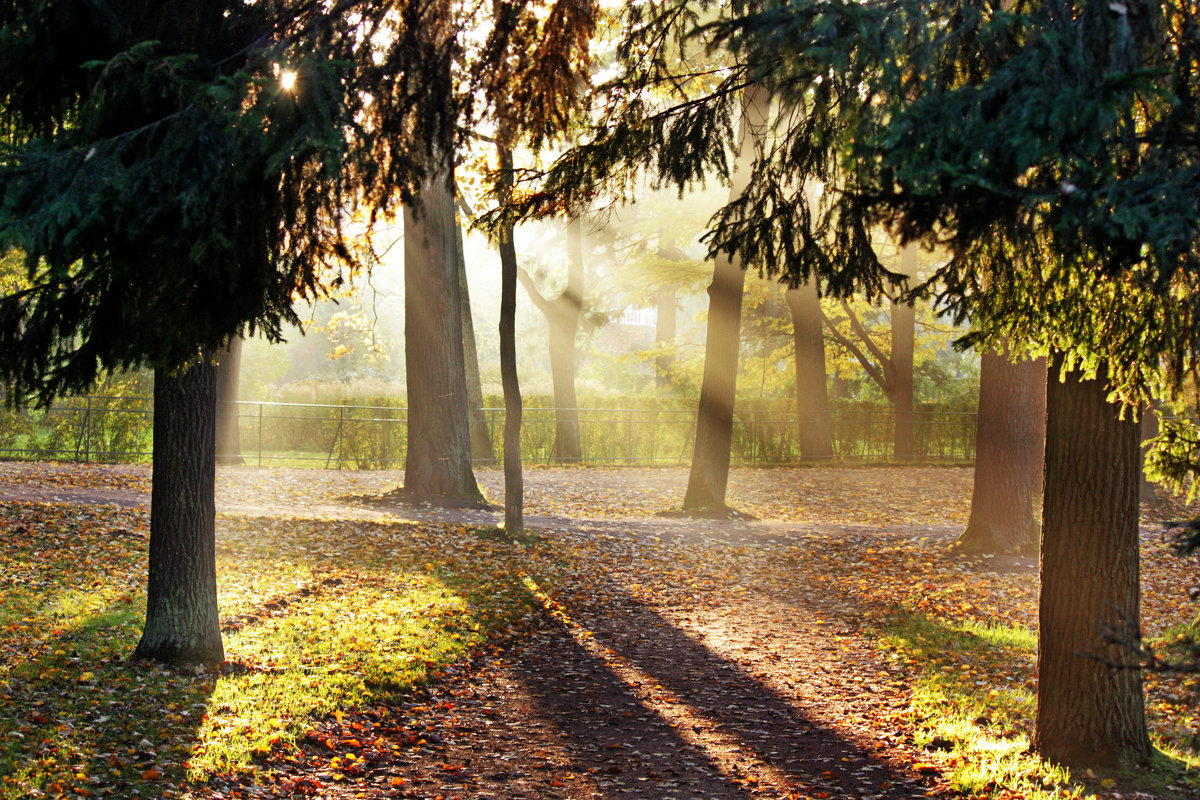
column 635, row 684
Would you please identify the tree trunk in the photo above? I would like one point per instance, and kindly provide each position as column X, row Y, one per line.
column 664, row 338
column 812, row 395
column 903, row 343
column 1002, row 502
column 437, row 467
column 564, row 330
column 514, row 479
column 1090, row 705
column 481, row 440
column 229, row 439
column 182, row 619
column 1147, row 490
column 709, row 475
column 1037, row 463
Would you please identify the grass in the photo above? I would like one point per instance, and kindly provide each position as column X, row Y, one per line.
column 973, row 706
column 318, row 618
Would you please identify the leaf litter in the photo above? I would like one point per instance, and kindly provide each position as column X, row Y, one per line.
column 656, row 658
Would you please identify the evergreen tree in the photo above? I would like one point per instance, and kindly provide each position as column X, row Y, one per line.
column 1050, row 146
column 167, row 189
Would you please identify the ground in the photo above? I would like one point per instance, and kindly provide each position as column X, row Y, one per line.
column 680, row 658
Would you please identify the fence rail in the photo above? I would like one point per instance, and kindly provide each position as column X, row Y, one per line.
column 111, row 429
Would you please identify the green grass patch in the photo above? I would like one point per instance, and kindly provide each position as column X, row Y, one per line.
column 973, row 707
column 319, row 617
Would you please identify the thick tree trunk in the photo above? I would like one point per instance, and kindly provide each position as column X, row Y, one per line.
column 182, row 620
column 1002, row 502
column 812, row 395
column 437, row 467
column 481, row 440
column 564, row 330
column 903, row 343
column 709, row 475
column 229, row 368
column 514, row 478
column 1090, row 705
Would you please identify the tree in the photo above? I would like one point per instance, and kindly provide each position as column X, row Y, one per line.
column 1001, row 518
column 481, row 439
column 1049, row 148
column 563, row 313
column 514, row 479
column 904, row 445
column 168, row 191
column 182, row 618
column 709, row 473
column 1083, row 536
column 229, row 367
column 812, row 395
column 437, row 466
column 1056, row 238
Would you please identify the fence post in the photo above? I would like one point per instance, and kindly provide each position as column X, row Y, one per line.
column 260, row 433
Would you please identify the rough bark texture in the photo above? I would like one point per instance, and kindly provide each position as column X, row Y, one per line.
column 1002, row 501
column 514, row 478
column 903, row 343
column 229, row 368
column 437, row 467
column 182, row 619
column 1090, row 704
column 481, row 439
column 709, row 473
column 812, row 394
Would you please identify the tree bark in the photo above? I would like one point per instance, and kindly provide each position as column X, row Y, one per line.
column 514, row 478
column 437, row 466
column 812, row 395
column 182, row 619
column 229, row 439
column 709, row 474
column 1090, row 705
column 901, row 378
column 481, row 440
column 1002, row 501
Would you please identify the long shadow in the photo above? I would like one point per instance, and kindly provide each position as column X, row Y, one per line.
column 653, row 713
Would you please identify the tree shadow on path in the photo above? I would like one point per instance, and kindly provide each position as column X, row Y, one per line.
column 648, row 711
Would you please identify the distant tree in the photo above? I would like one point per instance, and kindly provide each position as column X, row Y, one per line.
column 481, row 438
column 563, row 313
column 229, row 368
column 709, row 473
column 812, row 394
column 1001, row 518
column 904, row 441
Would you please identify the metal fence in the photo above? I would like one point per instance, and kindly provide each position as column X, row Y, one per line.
column 111, row 429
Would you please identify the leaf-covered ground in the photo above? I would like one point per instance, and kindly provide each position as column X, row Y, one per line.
column 830, row 649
